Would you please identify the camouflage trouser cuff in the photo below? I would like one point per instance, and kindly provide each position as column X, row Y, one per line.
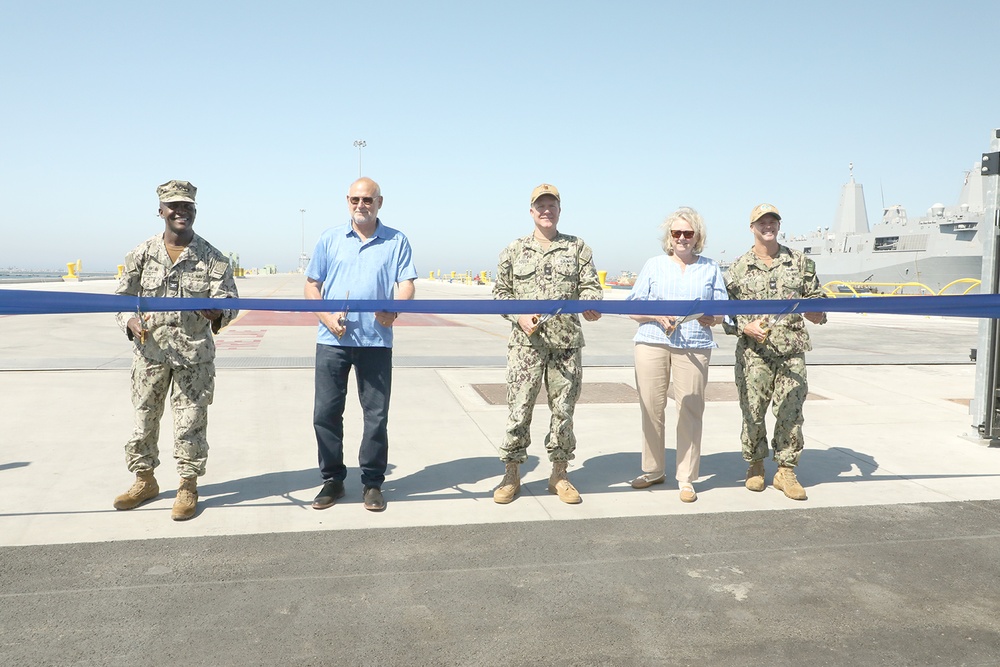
column 512, row 458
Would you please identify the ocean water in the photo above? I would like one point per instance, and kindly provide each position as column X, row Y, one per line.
column 15, row 276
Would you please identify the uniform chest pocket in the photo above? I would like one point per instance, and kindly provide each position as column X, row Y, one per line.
column 151, row 278
column 566, row 269
column 789, row 284
column 761, row 284
column 524, row 270
column 195, row 283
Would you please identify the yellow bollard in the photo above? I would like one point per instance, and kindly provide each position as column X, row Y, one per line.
column 603, row 277
column 121, row 270
column 71, row 272
column 431, row 277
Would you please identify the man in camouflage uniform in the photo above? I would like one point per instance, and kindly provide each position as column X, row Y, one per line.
column 544, row 265
column 770, row 352
column 174, row 351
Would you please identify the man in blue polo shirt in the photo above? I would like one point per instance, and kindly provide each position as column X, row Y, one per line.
column 362, row 260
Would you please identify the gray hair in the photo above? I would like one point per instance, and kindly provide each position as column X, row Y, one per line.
column 690, row 216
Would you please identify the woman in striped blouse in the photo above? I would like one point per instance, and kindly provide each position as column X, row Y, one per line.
column 675, row 347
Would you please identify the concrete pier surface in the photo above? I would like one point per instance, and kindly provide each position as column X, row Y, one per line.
column 892, row 560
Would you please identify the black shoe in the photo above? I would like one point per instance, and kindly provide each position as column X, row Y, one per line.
column 373, row 499
column 328, row 495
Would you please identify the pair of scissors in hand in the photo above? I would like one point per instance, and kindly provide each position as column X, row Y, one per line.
column 539, row 320
column 342, row 320
column 778, row 318
column 142, row 326
column 691, row 315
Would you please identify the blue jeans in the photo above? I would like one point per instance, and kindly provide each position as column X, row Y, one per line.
column 373, row 372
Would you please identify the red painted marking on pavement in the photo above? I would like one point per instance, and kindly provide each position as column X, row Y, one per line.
column 275, row 318
column 423, row 320
column 239, row 339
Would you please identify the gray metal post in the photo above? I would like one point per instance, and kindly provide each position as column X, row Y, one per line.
column 984, row 407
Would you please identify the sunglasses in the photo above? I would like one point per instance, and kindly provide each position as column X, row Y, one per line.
column 686, row 233
column 367, row 201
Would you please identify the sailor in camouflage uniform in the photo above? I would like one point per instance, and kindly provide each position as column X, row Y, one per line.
column 541, row 347
column 174, row 352
column 770, row 351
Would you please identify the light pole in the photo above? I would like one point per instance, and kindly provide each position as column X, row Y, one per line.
column 303, row 259
column 359, row 144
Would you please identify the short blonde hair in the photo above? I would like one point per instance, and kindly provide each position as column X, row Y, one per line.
column 693, row 218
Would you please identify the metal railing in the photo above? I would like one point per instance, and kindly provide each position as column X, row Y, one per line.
column 842, row 288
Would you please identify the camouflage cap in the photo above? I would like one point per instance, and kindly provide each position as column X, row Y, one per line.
column 763, row 209
column 545, row 189
column 176, row 191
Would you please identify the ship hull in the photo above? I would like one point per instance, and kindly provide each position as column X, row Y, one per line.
column 935, row 272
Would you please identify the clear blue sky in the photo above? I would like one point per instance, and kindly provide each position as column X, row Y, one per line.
column 630, row 108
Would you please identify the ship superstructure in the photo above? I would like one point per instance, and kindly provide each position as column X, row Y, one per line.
column 933, row 250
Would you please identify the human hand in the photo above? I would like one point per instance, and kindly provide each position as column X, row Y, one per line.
column 138, row 327
column 815, row 318
column 709, row 320
column 591, row 315
column 386, row 319
column 667, row 322
column 528, row 323
column 335, row 322
column 756, row 330
column 211, row 314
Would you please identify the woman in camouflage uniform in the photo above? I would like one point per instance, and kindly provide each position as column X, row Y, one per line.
column 770, row 351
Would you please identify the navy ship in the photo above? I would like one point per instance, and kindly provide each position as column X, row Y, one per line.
column 932, row 251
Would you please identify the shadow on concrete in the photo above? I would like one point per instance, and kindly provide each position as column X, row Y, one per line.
column 14, row 464
column 450, row 475
column 246, row 489
column 728, row 469
column 609, row 473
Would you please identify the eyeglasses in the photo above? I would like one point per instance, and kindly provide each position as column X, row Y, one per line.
column 367, row 201
column 686, row 233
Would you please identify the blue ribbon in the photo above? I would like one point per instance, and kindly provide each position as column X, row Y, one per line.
column 30, row 302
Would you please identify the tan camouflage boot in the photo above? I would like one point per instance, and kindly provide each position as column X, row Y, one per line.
column 187, row 500
column 560, row 485
column 143, row 489
column 510, row 486
column 785, row 481
column 755, row 476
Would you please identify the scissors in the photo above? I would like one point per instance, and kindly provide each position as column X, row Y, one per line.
column 142, row 326
column 343, row 314
column 687, row 317
column 691, row 315
column 539, row 320
column 778, row 318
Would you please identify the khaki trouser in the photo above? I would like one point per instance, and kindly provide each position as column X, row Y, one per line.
column 655, row 367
